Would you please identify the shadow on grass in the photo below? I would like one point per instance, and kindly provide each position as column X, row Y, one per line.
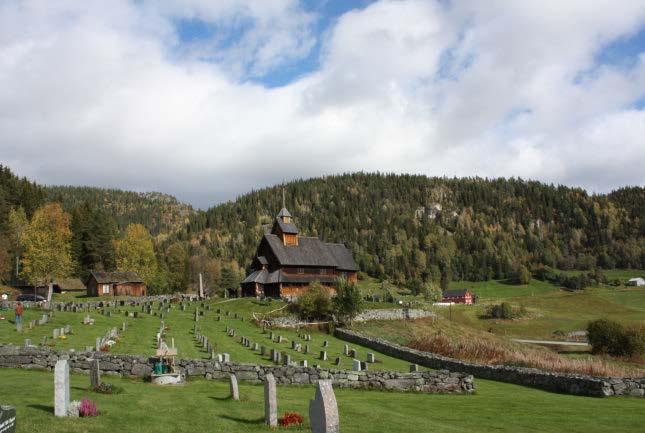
column 44, row 408
column 228, row 397
column 254, row 421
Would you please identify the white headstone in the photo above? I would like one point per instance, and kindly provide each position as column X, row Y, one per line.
column 235, row 391
column 270, row 401
column 61, row 388
column 323, row 410
column 356, row 365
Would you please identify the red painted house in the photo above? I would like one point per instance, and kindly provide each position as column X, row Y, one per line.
column 460, row 296
column 115, row 284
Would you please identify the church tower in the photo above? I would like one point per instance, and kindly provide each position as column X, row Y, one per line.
column 284, row 228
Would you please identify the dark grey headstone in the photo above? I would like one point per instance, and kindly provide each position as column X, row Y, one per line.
column 7, row 419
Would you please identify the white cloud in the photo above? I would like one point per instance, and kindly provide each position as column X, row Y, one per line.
column 94, row 93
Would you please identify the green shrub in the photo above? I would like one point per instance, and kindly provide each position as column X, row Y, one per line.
column 314, row 304
column 348, row 301
column 501, row 311
column 635, row 341
column 612, row 338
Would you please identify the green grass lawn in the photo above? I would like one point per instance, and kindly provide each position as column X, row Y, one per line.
column 201, row 406
column 139, row 338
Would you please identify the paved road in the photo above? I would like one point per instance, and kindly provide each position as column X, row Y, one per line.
column 552, row 342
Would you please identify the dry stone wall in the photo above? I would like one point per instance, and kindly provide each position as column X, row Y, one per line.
column 365, row 316
column 556, row 382
column 39, row 358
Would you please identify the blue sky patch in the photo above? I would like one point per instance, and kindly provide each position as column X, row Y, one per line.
column 195, row 31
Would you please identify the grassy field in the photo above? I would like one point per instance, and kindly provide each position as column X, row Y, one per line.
column 139, row 338
column 550, row 308
column 202, row 405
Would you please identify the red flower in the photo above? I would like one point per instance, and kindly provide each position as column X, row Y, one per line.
column 290, row 418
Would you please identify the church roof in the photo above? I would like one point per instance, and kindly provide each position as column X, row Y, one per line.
column 311, row 252
column 265, row 277
column 284, row 212
column 116, row 277
column 289, row 228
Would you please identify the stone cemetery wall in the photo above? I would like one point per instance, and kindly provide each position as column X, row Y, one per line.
column 365, row 316
column 133, row 365
column 393, row 314
column 556, row 382
column 110, row 302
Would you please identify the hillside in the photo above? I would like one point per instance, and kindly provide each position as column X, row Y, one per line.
column 412, row 228
column 159, row 213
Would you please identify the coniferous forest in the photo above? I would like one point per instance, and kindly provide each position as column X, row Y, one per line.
column 407, row 229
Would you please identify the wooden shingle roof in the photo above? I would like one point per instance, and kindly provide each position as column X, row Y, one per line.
column 115, row 277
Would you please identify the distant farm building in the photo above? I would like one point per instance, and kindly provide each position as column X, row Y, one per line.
column 115, row 284
column 59, row 285
column 287, row 263
column 638, row 281
column 460, row 296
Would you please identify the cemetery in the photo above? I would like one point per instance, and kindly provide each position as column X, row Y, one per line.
column 231, row 372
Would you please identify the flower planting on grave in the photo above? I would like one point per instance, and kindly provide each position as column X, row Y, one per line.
column 290, row 419
column 108, row 388
column 87, row 408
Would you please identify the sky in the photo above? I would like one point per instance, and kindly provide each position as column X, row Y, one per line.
column 207, row 100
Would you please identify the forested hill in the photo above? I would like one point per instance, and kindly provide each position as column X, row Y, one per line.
column 417, row 228
column 159, row 213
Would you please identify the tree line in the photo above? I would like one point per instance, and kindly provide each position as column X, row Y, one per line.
column 414, row 231
column 47, row 233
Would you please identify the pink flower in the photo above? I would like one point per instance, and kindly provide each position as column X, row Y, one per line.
column 88, row 408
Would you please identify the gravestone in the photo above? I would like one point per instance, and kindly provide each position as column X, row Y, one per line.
column 287, row 359
column 323, row 409
column 55, row 333
column 323, row 355
column 61, row 388
column 235, row 391
column 325, row 343
column 370, row 358
column 337, row 361
column 352, row 353
column 270, row 401
column 7, row 419
column 303, row 363
column 226, row 358
column 346, row 350
column 95, row 374
column 414, row 368
column 356, row 365
column 364, row 366
column 98, row 344
column 263, row 350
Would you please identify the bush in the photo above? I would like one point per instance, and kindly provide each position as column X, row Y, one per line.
column 501, row 311
column 612, row 338
column 315, row 303
column 347, row 302
column 523, row 276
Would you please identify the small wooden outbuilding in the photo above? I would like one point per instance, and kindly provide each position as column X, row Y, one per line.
column 115, row 284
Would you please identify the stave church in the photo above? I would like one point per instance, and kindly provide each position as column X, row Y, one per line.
column 287, row 263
